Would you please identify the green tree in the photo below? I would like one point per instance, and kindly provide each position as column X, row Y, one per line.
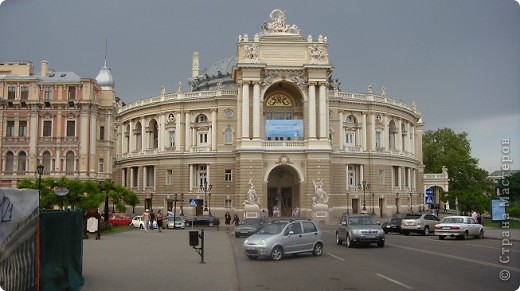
column 469, row 183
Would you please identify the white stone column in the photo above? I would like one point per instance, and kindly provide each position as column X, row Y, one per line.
column 324, row 116
column 341, row 132
column 256, row 111
column 385, row 143
column 312, row 111
column 213, row 130
column 93, row 142
column 144, row 135
column 400, row 179
column 178, row 131
column 187, row 132
column 399, row 138
column 373, row 133
column 190, row 177
column 346, row 178
column 131, row 137
column 364, row 132
column 412, row 139
column 163, row 134
column 245, row 110
column 361, row 173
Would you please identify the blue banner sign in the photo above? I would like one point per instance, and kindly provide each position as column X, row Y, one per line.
column 284, row 128
column 498, row 210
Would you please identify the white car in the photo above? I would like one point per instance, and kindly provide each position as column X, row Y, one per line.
column 179, row 222
column 460, row 227
column 137, row 221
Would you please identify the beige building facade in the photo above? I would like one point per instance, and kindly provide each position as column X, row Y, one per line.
column 56, row 119
column 271, row 116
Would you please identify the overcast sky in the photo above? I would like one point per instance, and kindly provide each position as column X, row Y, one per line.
column 459, row 60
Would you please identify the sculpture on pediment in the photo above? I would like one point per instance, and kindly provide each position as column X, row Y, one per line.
column 317, row 54
column 383, row 91
column 219, row 85
column 370, row 89
column 179, row 87
column 320, row 196
column 278, row 25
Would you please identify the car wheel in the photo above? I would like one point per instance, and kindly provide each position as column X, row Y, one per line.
column 386, row 231
column 441, row 237
column 465, row 235
column 406, row 232
column 480, row 234
column 277, row 253
column 237, row 235
column 338, row 240
column 426, row 231
column 350, row 243
column 318, row 249
column 141, row 226
column 381, row 243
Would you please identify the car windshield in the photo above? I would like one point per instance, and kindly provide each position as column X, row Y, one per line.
column 365, row 220
column 396, row 220
column 412, row 216
column 251, row 222
column 453, row 220
column 273, row 228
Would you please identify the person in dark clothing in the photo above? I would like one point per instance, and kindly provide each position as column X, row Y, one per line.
column 227, row 220
column 236, row 220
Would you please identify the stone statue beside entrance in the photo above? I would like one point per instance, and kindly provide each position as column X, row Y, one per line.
column 252, row 202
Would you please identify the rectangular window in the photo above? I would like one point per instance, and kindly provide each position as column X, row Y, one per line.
column 171, row 138
column 22, row 128
column 135, row 177
column 101, row 133
column 169, row 177
column 395, row 175
column 24, row 92
column 47, row 93
column 202, row 175
column 349, row 138
column 47, row 128
column 351, row 176
column 203, row 138
column 227, row 203
column 101, row 166
column 72, row 93
column 150, row 176
column 11, row 93
column 228, row 176
column 378, row 139
column 407, row 177
column 382, row 177
column 71, row 128
column 9, row 130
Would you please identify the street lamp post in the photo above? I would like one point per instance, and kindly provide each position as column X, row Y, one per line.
column 174, row 211
column 39, row 169
column 365, row 187
column 206, row 188
column 348, row 194
column 411, row 209
column 373, row 197
column 397, row 201
column 151, row 202
column 209, row 203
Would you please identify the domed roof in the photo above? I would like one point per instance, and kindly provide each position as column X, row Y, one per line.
column 221, row 71
column 104, row 78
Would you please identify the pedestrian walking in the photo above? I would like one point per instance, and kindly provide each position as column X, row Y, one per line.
column 236, row 220
column 146, row 219
column 227, row 221
column 152, row 218
column 159, row 218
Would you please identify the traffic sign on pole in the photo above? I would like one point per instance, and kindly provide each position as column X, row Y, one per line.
column 428, row 199
column 429, row 191
column 193, row 202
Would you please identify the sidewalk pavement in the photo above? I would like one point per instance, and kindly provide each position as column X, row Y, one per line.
column 138, row 260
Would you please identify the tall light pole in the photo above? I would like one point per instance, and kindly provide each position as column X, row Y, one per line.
column 39, row 169
column 365, row 187
column 209, row 202
column 397, row 201
column 206, row 188
column 348, row 194
column 411, row 209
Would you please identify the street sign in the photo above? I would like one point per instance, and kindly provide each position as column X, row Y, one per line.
column 428, row 199
column 429, row 191
column 193, row 202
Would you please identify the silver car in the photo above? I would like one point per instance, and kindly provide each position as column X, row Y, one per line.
column 282, row 237
column 422, row 223
column 460, row 227
column 359, row 229
column 175, row 222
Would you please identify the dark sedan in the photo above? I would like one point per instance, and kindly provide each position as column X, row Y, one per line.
column 208, row 220
column 394, row 225
column 249, row 226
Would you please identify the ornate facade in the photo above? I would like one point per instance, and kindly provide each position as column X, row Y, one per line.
column 57, row 119
column 271, row 116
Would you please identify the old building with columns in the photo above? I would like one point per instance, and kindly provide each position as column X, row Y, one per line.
column 271, row 116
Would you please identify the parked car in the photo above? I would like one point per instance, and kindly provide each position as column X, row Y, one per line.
column 175, row 222
column 120, row 219
column 208, row 220
column 394, row 225
column 422, row 223
column 283, row 237
column 249, row 226
column 460, row 227
column 137, row 221
column 359, row 229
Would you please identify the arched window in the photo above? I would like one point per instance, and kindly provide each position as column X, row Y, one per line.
column 404, row 132
column 351, row 129
column 202, row 129
column 69, row 162
column 138, row 136
column 46, row 158
column 22, row 162
column 127, row 137
column 392, row 135
column 153, row 133
column 9, row 162
column 228, row 136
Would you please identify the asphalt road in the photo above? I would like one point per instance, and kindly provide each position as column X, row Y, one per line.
column 405, row 263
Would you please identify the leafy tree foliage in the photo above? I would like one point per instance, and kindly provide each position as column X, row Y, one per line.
column 468, row 183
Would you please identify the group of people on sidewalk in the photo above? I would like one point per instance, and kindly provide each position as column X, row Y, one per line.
column 149, row 217
column 228, row 221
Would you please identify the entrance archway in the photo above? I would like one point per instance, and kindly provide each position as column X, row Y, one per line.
column 283, row 191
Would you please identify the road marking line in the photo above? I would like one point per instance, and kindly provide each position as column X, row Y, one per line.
column 474, row 245
column 341, row 259
column 394, row 281
column 460, row 258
